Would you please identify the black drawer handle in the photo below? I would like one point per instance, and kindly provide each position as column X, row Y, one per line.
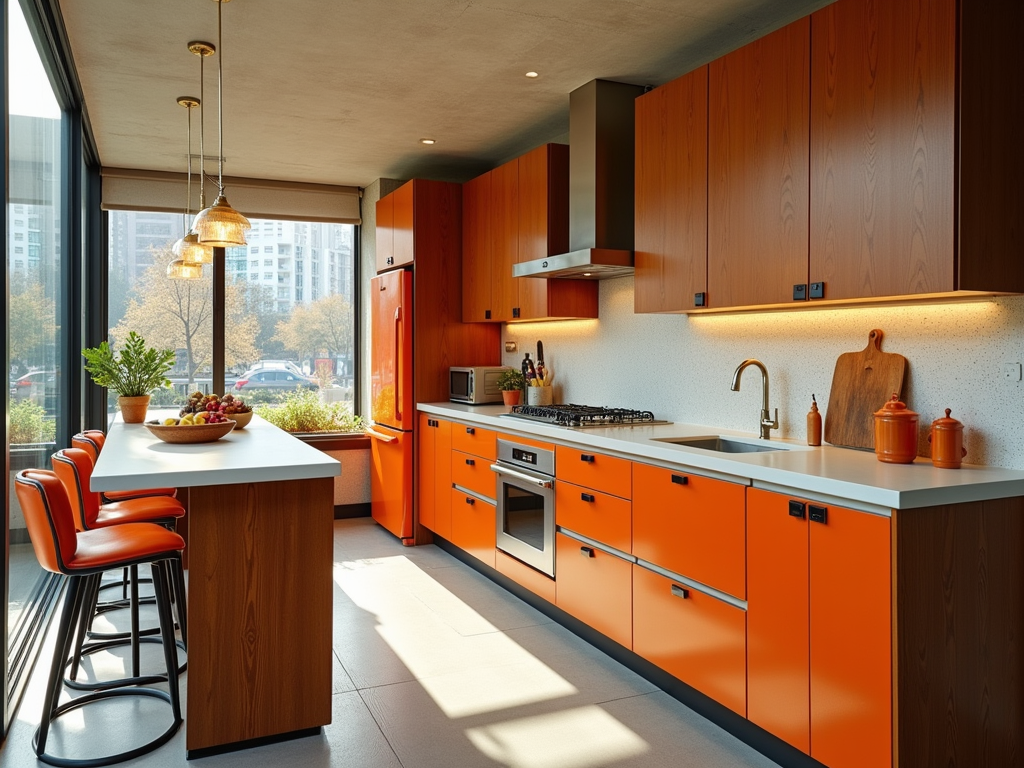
column 587, row 457
column 680, row 479
column 587, row 551
column 817, row 514
column 797, row 508
column 471, row 501
column 471, row 462
column 470, row 431
column 680, row 591
column 587, row 497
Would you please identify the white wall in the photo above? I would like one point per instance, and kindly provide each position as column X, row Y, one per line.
column 681, row 368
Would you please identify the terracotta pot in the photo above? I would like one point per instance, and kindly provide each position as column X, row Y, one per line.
column 133, row 409
column 947, row 440
column 511, row 397
column 896, row 433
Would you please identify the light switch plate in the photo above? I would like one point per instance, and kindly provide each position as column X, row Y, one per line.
column 1011, row 371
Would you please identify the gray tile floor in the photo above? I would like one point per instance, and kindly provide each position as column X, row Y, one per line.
column 436, row 666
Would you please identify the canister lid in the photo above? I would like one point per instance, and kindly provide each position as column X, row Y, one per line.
column 894, row 409
column 947, row 422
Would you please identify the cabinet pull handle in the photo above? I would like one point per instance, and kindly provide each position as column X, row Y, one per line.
column 471, row 462
column 470, row 431
column 487, row 314
column 587, row 551
column 680, row 591
column 471, row 501
column 817, row 514
column 680, row 479
column 587, row 457
column 587, row 497
column 797, row 508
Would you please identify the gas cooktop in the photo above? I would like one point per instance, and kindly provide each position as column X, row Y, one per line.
column 583, row 416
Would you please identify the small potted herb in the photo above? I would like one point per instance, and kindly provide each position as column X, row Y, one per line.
column 133, row 374
column 511, row 383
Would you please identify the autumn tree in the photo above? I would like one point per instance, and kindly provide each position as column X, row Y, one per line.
column 178, row 314
column 31, row 317
column 320, row 328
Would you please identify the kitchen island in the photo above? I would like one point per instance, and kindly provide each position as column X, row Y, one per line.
column 260, row 508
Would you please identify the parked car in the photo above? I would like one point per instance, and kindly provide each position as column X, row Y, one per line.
column 287, row 365
column 274, row 378
column 34, row 385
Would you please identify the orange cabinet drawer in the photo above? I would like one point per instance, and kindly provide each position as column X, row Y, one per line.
column 595, row 515
column 594, row 470
column 539, row 583
column 473, row 473
column 473, row 526
column 479, row 442
column 690, row 635
column 595, row 587
column 691, row 525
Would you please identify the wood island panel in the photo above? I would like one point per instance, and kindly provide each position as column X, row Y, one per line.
column 260, row 610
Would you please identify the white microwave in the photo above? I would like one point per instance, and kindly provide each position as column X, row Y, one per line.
column 474, row 385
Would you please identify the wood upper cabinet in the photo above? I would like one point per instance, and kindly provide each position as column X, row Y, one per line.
column 671, row 204
column 514, row 213
column 395, row 247
column 819, row 628
column 758, row 169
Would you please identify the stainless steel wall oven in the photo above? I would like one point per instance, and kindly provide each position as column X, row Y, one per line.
column 526, row 504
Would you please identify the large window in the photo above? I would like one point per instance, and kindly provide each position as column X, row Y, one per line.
column 277, row 318
column 36, row 300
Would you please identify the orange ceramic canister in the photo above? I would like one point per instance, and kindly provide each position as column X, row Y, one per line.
column 947, row 439
column 896, row 433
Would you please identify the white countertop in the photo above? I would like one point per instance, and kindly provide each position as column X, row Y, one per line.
column 840, row 473
column 132, row 457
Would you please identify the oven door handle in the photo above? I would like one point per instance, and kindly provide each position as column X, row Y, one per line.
column 520, row 476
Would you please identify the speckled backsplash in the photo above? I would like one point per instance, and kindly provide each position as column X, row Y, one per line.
column 681, row 368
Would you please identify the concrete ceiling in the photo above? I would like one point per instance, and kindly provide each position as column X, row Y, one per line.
column 341, row 92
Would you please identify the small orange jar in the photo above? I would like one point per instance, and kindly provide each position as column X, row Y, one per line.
column 896, row 433
column 947, row 439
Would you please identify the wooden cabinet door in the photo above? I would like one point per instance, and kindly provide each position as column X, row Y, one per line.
column 697, row 638
column 883, row 133
column 671, row 176
column 402, row 223
column 851, row 639
column 504, row 234
column 385, row 233
column 535, row 216
column 595, row 587
column 426, row 466
column 758, row 169
column 442, row 478
column 473, row 526
column 476, row 250
column 778, row 661
column 694, row 526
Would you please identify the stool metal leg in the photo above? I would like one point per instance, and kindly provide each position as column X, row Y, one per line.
column 163, row 600
column 70, row 613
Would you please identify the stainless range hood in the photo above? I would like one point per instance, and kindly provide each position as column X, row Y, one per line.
column 601, row 128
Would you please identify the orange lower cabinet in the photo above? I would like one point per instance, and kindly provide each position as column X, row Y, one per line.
column 695, row 637
column 851, row 639
column 472, row 472
column 598, row 516
column 473, row 526
column 479, row 442
column 539, row 583
column 442, row 483
column 692, row 525
column 595, row 587
column 778, row 671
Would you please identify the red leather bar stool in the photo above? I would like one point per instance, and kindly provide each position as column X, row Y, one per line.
column 91, row 441
column 83, row 556
column 73, row 467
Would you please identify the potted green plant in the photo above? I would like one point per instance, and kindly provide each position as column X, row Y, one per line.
column 133, row 374
column 303, row 412
column 511, row 383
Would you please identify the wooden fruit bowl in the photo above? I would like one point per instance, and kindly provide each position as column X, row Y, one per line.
column 240, row 419
column 190, row 433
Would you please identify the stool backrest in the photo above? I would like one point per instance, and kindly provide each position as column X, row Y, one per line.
column 97, row 436
column 74, row 468
column 48, row 517
column 85, row 443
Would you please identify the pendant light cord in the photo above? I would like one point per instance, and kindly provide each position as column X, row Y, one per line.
column 202, row 135
column 220, row 100
column 188, row 198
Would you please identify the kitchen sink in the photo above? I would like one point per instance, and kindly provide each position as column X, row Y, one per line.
column 722, row 444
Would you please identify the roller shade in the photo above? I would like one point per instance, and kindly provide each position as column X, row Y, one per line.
column 126, row 189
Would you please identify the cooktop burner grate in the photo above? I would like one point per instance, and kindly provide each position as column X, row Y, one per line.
column 582, row 416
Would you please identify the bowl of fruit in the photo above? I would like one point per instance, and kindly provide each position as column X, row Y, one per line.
column 188, row 430
column 214, row 408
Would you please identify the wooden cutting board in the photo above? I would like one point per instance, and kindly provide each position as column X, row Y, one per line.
column 862, row 383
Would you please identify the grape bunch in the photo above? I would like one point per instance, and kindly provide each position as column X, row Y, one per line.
column 213, row 409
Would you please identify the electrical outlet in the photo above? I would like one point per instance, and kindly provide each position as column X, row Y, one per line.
column 1011, row 371
column 511, row 346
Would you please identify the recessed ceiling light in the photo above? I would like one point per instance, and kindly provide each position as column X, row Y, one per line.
column 587, row 274
column 532, row 74
column 428, row 141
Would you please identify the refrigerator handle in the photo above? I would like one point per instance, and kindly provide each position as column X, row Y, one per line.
column 398, row 365
column 379, row 436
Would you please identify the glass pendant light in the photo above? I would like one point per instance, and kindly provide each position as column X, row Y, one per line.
column 184, row 270
column 220, row 225
column 185, row 266
column 189, row 248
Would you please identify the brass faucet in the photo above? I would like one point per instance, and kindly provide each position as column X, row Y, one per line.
column 767, row 423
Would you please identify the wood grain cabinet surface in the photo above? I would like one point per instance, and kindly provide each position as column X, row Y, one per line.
column 395, row 241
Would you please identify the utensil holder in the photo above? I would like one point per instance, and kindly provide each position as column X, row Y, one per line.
column 538, row 395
